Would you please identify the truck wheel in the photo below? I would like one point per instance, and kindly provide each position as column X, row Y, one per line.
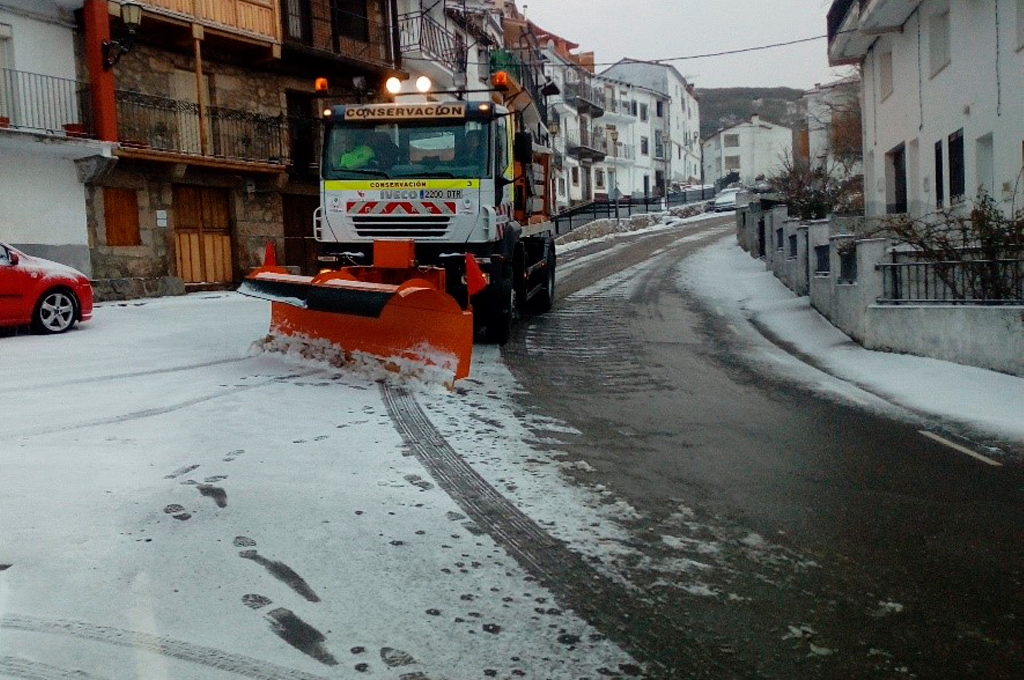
column 545, row 297
column 502, row 312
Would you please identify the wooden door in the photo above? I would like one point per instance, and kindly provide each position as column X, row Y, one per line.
column 299, row 243
column 203, row 234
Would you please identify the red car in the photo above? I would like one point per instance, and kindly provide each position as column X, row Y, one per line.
column 46, row 295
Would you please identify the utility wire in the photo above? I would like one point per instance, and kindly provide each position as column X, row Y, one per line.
column 706, row 55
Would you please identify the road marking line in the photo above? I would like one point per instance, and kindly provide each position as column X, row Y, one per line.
column 961, row 449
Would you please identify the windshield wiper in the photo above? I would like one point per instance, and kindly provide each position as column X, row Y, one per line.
column 375, row 173
column 426, row 174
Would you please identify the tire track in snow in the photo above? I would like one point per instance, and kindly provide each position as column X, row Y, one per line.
column 177, row 649
column 638, row 627
column 152, row 412
column 26, row 669
column 136, row 374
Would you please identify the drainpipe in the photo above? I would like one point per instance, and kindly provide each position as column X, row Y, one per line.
column 396, row 35
column 104, row 106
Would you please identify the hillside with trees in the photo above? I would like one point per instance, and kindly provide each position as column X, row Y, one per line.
column 726, row 106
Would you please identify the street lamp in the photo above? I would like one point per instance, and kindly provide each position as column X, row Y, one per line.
column 113, row 50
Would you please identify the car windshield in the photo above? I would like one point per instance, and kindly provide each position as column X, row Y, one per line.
column 410, row 149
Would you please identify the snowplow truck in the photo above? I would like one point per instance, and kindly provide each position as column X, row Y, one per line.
column 433, row 226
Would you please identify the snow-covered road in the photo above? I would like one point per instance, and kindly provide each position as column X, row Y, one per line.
column 178, row 503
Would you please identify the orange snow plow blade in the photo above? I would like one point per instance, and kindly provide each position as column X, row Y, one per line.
column 394, row 313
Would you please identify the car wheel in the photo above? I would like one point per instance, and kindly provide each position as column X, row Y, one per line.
column 55, row 312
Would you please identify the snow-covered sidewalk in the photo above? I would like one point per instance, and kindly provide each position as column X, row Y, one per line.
column 738, row 288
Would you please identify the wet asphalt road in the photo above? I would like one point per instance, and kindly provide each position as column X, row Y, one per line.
column 832, row 542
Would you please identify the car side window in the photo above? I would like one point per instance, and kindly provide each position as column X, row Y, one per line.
column 5, row 258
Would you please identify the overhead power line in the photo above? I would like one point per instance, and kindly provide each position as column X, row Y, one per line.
column 687, row 57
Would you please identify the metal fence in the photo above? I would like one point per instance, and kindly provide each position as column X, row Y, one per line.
column 165, row 124
column 31, row 101
column 577, row 217
column 967, row 282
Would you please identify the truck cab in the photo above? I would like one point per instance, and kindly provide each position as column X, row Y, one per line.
column 440, row 174
column 453, row 177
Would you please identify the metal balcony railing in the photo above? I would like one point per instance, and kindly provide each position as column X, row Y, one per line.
column 585, row 97
column 324, row 26
column 620, row 151
column 619, row 106
column 55, row 106
column 150, row 122
column 422, row 33
column 586, row 144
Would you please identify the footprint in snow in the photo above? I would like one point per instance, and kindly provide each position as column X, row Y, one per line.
column 396, row 657
column 219, row 495
column 177, row 512
column 181, row 471
column 300, row 635
column 254, row 601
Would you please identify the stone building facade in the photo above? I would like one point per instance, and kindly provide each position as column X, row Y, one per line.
column 211, row 169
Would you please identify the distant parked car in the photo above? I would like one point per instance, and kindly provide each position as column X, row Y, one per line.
column 726, row 200
column 48, row 296
column 731, row 199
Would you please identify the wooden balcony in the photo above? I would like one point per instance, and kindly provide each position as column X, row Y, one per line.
column 253, row 19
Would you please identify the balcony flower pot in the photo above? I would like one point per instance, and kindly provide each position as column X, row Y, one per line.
column 74, row 130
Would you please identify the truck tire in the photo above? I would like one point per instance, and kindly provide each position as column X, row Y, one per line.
column 501, row 314
column 545, row 297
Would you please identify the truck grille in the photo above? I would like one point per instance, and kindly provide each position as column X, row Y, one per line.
column 370, row 226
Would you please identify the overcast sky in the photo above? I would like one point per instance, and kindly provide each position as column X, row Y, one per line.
column 653, row 29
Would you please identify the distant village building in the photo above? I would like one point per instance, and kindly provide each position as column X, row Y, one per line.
column 942, row 99
column 753, row 150
column 577, row 142
column 675, row 128
column 834, row 133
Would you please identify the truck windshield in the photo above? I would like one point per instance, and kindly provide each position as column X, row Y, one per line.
column 457, row 149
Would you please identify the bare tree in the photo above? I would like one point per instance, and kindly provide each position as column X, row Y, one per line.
column 814, row 191
column 976, row 253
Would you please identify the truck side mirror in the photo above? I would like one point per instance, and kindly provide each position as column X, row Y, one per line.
column 500, row 182
column 522, row 148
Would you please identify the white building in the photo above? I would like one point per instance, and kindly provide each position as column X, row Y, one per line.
column 579, row 142
column 942, row 99
column 828, row 106
column 677, row 118
column 45, row 150
column 636, row 129
column 754, row 149
column 447, row 41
